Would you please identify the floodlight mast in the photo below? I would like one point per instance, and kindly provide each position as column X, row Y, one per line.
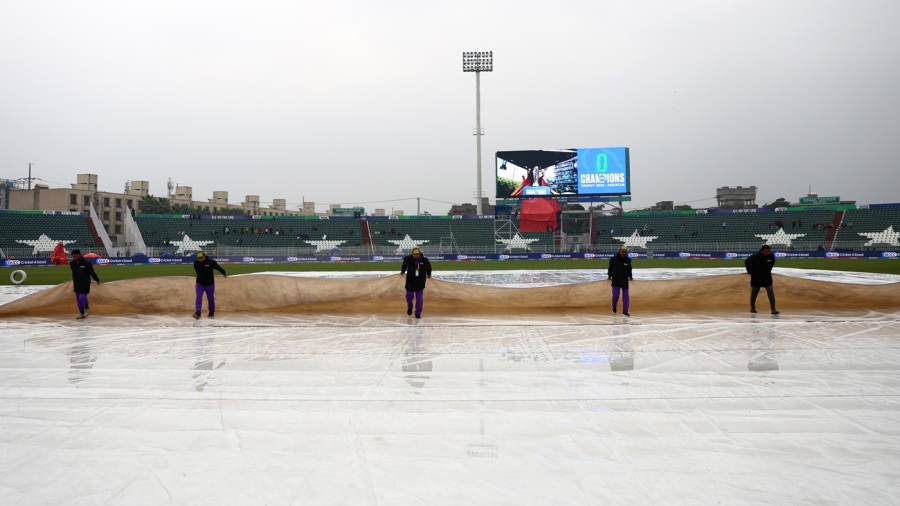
column 478, row 62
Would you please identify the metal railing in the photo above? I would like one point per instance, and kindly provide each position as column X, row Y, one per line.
column 28, row 251
column 436, row 249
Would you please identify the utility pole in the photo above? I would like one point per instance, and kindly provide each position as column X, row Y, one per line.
column 29, row 175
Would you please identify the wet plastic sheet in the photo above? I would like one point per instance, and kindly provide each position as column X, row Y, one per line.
column 574, row 409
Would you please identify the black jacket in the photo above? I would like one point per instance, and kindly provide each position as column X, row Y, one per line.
column 759, row 267
column 619, row 270
column 417, row 270
column 82, row 272
column 205, row 271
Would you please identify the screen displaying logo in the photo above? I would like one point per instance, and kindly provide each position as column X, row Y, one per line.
column 563, row 172
column 603, row 171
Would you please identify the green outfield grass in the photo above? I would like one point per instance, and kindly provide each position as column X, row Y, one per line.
column 57, row 275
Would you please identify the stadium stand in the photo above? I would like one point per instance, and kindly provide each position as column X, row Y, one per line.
column 36, row 233
column 875, row 227
column 392, row 236
column 717, row 231
column 292, row 235
column 538, row 242
column 434, row 234
column 447, row 235
column 793, row 228
column 475, row 235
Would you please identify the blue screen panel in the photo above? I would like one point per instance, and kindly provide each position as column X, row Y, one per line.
column 603, row 171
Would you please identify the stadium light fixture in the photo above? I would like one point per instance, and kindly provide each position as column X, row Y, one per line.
column 478, row 62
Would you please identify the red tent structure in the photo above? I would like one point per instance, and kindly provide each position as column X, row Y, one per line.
column 58, row 257
column 539, row 215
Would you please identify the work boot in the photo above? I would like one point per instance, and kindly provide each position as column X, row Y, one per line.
column 614, row 309
column 87, row 312
column 212, row 314
column 752, row 309
column 197, row 315
column 408, row 309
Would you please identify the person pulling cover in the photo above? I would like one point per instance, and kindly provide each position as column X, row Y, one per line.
column 206, row 283
column 417, row 269
column 759, row 267
column 82, row 272
column 618, row 274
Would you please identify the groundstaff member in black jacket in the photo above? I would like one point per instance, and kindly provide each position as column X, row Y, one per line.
column 417, row 269
column 82, row 272
column 759, row 267
column 206, row 283
column 619, row 274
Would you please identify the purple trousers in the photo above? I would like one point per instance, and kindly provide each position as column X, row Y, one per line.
column 625, row 300
column 419, row 295
column 81, row 300
column 210, row 291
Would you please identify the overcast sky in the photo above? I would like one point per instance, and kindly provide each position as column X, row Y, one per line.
column 365, row 103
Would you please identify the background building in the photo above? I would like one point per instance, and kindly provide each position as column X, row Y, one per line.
column 111, row 206
column 736, row 198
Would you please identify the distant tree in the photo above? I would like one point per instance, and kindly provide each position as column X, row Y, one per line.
column 780, row 202
column 197, row 210
column 154, row 205
column 684, row 207
column 158, row 205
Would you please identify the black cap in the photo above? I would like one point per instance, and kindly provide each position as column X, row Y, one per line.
column 76, row 251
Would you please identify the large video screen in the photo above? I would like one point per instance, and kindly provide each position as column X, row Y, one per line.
column 563, row 173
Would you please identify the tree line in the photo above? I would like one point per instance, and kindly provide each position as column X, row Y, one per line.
column 159, row 205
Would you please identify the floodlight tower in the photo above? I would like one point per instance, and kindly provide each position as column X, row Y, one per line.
column 478, row 62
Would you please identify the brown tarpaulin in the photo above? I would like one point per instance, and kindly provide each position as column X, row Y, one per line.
column 384, row 295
